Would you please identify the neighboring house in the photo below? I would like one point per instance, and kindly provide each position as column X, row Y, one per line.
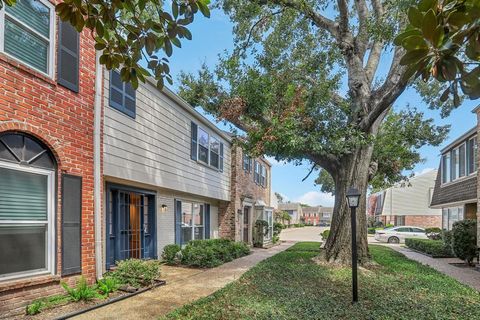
column 455, row 191
column 250, row 197
column 326, row 215
column 47, row 103
column 293, row 209
column 407, row 203
column 317, row 215
column 167, row 172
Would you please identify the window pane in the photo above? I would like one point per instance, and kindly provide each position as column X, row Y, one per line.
column 455, row 164
column 203, row 154
column 24, row 45
column 33, row 13
column 186, row 222
column 129, row 104
column 461, row 162
column 214, row 160
column 146, row 225
column 116, row 80
column 23, row 248
column 199, row 226
column 202, row 138
column 215, row 145
column 446, row 169
column 23, row 195
column 445, row 218
column 116, row 96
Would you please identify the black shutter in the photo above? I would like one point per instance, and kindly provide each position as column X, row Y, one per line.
column 221, row 157
column 194, row 143
column 178, row 222
column 207, row 221
column 71, row 224
column 68, row 56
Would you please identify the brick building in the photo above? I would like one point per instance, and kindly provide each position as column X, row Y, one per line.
column 250, row 193
column 47, row 93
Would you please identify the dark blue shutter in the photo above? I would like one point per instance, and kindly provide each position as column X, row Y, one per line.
column 221, row 157
column 207, row 221
column 71, row 224
column 178, row 222
column 68, row 56
column 194, row 143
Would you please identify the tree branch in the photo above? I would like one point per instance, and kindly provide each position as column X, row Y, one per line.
column 250, row 32
column 375, row 52
column 343, row 10
column 361, row 39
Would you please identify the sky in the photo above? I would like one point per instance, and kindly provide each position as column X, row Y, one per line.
column 213, row 36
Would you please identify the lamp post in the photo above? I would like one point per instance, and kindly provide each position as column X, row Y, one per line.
column 353, row 198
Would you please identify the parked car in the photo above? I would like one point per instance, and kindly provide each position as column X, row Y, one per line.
column 399, row 234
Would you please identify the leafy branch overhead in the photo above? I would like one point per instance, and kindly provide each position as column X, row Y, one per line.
column 129, row 31
column 442, row 40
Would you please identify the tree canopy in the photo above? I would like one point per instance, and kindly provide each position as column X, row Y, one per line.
column 129, row 31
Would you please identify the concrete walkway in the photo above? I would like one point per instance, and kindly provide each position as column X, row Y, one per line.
column 466, row 276
column 184, row 285
column 302, row 234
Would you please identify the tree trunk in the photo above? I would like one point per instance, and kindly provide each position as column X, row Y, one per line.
column 353, row 171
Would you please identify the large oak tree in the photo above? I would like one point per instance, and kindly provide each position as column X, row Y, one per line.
column 313, row 81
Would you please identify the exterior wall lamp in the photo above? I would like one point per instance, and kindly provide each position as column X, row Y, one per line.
column 163, row 208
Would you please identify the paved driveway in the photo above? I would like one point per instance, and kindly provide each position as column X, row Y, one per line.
column 302, row 234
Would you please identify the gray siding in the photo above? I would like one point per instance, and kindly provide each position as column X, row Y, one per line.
column 154, row 148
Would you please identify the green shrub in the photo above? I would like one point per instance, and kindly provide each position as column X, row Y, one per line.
column 137, row 272
column 82, row 292
column 35, row 307
column 212, row 252
column 325, row 234
column 371, row 230
column 170, row 253
column 447, row 241
column 107, row 285
column 378, row 224
column 390, row 225
column 299, row 225
column 435, row 248
column 262, row 225
column 277, row 228
column 464, row 240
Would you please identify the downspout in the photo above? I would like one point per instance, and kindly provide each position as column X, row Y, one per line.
column 97, row 173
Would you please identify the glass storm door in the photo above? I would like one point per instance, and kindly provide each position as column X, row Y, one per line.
column 246, row 222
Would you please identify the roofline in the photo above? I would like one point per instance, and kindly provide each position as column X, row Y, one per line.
column 186, row 106
column 455, row 203
column 459, row 139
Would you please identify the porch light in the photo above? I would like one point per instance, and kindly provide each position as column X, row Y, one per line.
column 353, row 197
column 164, row 208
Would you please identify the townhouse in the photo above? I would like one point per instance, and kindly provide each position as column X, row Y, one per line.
column 47, row 166
column 456, row 187
column 250, row 197
column 317, row 215
column 294, row 209
column 407, row 203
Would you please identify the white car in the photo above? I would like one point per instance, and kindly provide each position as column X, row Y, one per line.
column 399, row 234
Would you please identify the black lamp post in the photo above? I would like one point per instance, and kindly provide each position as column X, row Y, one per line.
column 353, row 198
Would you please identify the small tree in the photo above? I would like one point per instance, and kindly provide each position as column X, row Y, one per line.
column 464, row 242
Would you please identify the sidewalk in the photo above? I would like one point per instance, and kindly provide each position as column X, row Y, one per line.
column 184, row 285
column 466, row 276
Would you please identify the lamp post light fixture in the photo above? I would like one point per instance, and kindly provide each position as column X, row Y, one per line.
column 353, row 198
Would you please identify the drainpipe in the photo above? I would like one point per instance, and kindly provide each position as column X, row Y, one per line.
column 97, row 174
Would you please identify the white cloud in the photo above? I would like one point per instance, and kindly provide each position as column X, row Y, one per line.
column 275, row 162
column 315, row 198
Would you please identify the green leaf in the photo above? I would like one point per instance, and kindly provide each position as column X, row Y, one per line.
column 402, row 36
column 413, row 56
column 429, row 25
column 425, row 5
column 445, row 94
column 203, row 6
column 415, row 17
column 438, row 36
column 175, row 9
column 414, row 42
column 168, row 48
column 448, row 68
column 176, row 42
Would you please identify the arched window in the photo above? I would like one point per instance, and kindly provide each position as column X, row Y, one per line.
column 27, row 193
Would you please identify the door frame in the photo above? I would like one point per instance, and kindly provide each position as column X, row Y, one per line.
column 108, row 238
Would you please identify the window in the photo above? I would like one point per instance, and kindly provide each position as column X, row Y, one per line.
column 450, row 216
column 247, row 163
column 472, row 155
column 214, row 152
column 263, row 175
column 256, row 175
column 403, row 229
column 455, row 164
column 203, row 145
column 26, row 220
column 27, row 33
column 122, row 95
column 192, row 221
column 446, row 168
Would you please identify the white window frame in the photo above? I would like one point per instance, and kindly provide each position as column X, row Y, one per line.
column 50, row 234
column 209, row 150
column 475, row 157
column 51, row 40
column 192, row 224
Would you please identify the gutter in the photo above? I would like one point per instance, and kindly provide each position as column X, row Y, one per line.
column 97, row 174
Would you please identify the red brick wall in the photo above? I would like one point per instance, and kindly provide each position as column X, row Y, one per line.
column 242, row 186
column 33, row 103
column 424, row 221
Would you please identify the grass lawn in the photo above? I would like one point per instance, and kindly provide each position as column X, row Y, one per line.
column 290, row 285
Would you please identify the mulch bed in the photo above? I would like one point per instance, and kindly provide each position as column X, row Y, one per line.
column 71, row 309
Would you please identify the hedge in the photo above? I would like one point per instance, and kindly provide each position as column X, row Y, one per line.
column 434, row 248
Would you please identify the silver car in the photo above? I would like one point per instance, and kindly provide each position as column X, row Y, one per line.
column 399, row 234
